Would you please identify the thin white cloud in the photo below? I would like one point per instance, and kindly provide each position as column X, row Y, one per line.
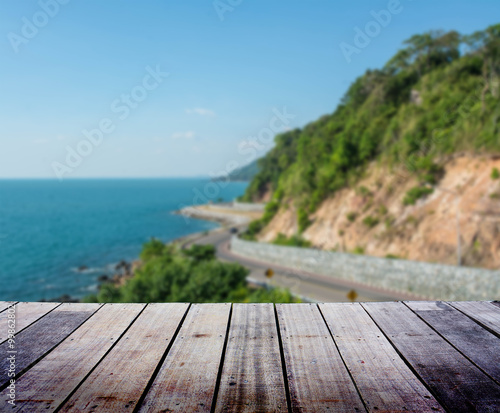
column 183, row 135
column 201, row 112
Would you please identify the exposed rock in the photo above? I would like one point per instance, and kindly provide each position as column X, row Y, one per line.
column 416, row 98
column 426, row 231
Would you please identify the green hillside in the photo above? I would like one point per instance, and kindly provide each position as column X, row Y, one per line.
column 245, row 173
column 436, row 96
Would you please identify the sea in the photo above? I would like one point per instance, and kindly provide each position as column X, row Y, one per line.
column 57, row 238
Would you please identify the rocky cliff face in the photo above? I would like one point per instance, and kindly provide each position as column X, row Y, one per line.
column 371, row 217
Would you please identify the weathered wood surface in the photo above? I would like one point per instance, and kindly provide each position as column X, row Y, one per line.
column 5, row 304
column 119, row 380
column 187, row 379
column 456, row 382
column 25, row 314
column 48, row 384
column 34, row 342
column 412, row 356
column 484, row 313
column 477, row 344
column 382, row 377
column 252, row 377
column 317, row 377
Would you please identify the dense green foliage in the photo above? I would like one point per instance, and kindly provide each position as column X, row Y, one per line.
column 271, row 167
column 170, row 274
column 438, row 95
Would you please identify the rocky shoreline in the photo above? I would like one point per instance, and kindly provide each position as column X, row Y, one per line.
column 122, row 271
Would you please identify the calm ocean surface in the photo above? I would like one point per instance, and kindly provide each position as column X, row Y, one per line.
column 48, row 229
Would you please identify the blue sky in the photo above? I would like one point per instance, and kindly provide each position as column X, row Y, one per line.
column 230, row 68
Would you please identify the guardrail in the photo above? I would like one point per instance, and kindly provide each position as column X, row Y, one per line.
column 433, row 281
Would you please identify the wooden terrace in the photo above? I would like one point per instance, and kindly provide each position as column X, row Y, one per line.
column 377, row 357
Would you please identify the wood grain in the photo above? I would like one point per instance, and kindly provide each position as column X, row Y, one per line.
column 476, row 343
column 483, row 312
column 6, row 304
column 25, row 314
column 457, row 383
column 382, row 377
column 317, row 377
column 186, row 380
column 252, row 377
column 122, row 376
column 46, row 385
column 39, row 338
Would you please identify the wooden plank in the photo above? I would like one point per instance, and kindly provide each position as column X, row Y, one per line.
column 6, row 304
column 476, row 343
column 496, row 303
column 252, row 377
column 47, row 384
column 121, row 377
column 186, row 380
column 35, row 341
column 384, row 380
column 483, row 312
column 457, row 383
column 317, row 377
column 25, row 314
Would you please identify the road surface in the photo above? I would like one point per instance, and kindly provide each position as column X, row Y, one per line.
column 313, row 287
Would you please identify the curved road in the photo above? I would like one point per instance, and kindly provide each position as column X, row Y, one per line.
column 312, row 287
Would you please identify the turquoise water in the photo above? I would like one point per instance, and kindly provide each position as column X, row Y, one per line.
column 49, row 229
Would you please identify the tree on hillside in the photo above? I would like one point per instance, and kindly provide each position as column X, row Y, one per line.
column 486, row 44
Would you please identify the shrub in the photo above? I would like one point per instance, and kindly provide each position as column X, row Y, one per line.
column 358, row 250
column 495, row 174
column 370, row 221
column 192, row 275
column 303, row 219
column 363, row 191
column 201, row 252
column 153, row 248
column 392, row 257
column 293, row 241
column 416, row 193
column 382, row 210
column 351, row 216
